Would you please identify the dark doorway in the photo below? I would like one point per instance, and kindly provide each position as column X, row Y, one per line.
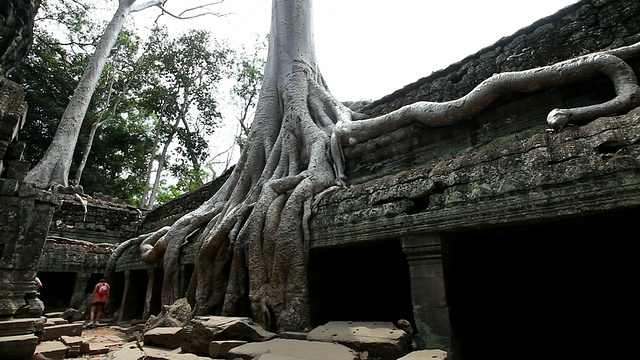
column 557, row 290
column 56, row 290
column 156, row 298
column 368, row 282
column 136, row 293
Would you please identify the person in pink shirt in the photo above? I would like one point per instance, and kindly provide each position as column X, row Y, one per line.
column 99, row 298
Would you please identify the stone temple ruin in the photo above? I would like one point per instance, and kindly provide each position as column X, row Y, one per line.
column 494, row 237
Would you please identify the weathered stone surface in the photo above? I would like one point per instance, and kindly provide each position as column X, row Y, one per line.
column 57, row 321
column 496, row 183
column 176, row 315
column 566, row 34
column 269, row 356
column 382, row 340
column 53, row 350
column 24, row 214
column 72, row 340
column 76, row 345
column 53, row 314
column 297, row 349
column 293, row 335
column 219, row 349
column 56, row 331
column 196, row 337
column 21, row 326
column 132, row 352
column 18, row 347
column 426, row 355
column 165, row 337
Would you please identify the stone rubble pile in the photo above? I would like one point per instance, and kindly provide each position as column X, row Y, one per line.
column 204, row 337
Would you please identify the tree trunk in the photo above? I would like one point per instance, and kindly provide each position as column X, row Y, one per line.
column 147, row 183
column 161, row 161
column 85, row 153
column 55, row 165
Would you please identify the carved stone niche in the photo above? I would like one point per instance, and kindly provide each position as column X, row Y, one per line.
column 25, row 213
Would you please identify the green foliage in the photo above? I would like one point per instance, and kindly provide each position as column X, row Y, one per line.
column 49, row 75
column 189, row 179
column 248, row 74
column 120, row 151
column 181, row 90
column 145, row 88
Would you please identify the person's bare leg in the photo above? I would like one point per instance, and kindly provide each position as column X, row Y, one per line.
column 99, row 315
column 92, row 314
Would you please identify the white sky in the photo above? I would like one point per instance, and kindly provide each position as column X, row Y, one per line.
column 370, row 48
column 366, row 48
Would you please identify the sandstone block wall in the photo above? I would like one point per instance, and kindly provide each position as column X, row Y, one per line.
column 103, row 222
column 586, row 27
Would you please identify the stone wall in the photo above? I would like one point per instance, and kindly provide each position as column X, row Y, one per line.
column 168, row 213
column 74, row 256
column 585, row 27
column 103, row 221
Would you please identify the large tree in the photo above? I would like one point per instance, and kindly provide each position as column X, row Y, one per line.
column 55, row 165
column 182, row 92
column 253, row 242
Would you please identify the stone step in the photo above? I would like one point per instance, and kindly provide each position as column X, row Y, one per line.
column 131, row 352
column 294, row 349
column 382, row 340
column 165, row 337
column 54, row 332
column 54, row 350
column 54, row 314
column 76, row 345
column 433, row 354
column 18, row 347
column 220, row 349
column 21, row 326
column 56, row 321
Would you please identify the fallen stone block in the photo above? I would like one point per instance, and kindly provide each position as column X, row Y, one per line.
column 54, row 332
column 434, row 354
column 21, row 326
column 54, row 350
column 381, row 339
column 202, row 330
column 296, row 349
column 165, row 337
column 18, row 346
column 293, row 335
column 57, row 321
column 77, row 345
column 132, row 352
column 269, row 356
column 219, row 349
column 96, row 348
column 54, row 314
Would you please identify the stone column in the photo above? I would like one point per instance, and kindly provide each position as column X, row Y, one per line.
column 149, row 295
column 25, row 214
column 123, row 303
column 80, row 289
column 430, row 310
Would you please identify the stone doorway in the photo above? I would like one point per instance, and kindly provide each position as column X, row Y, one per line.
column 557, row 290
column 362, row 282
column 56, row 290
